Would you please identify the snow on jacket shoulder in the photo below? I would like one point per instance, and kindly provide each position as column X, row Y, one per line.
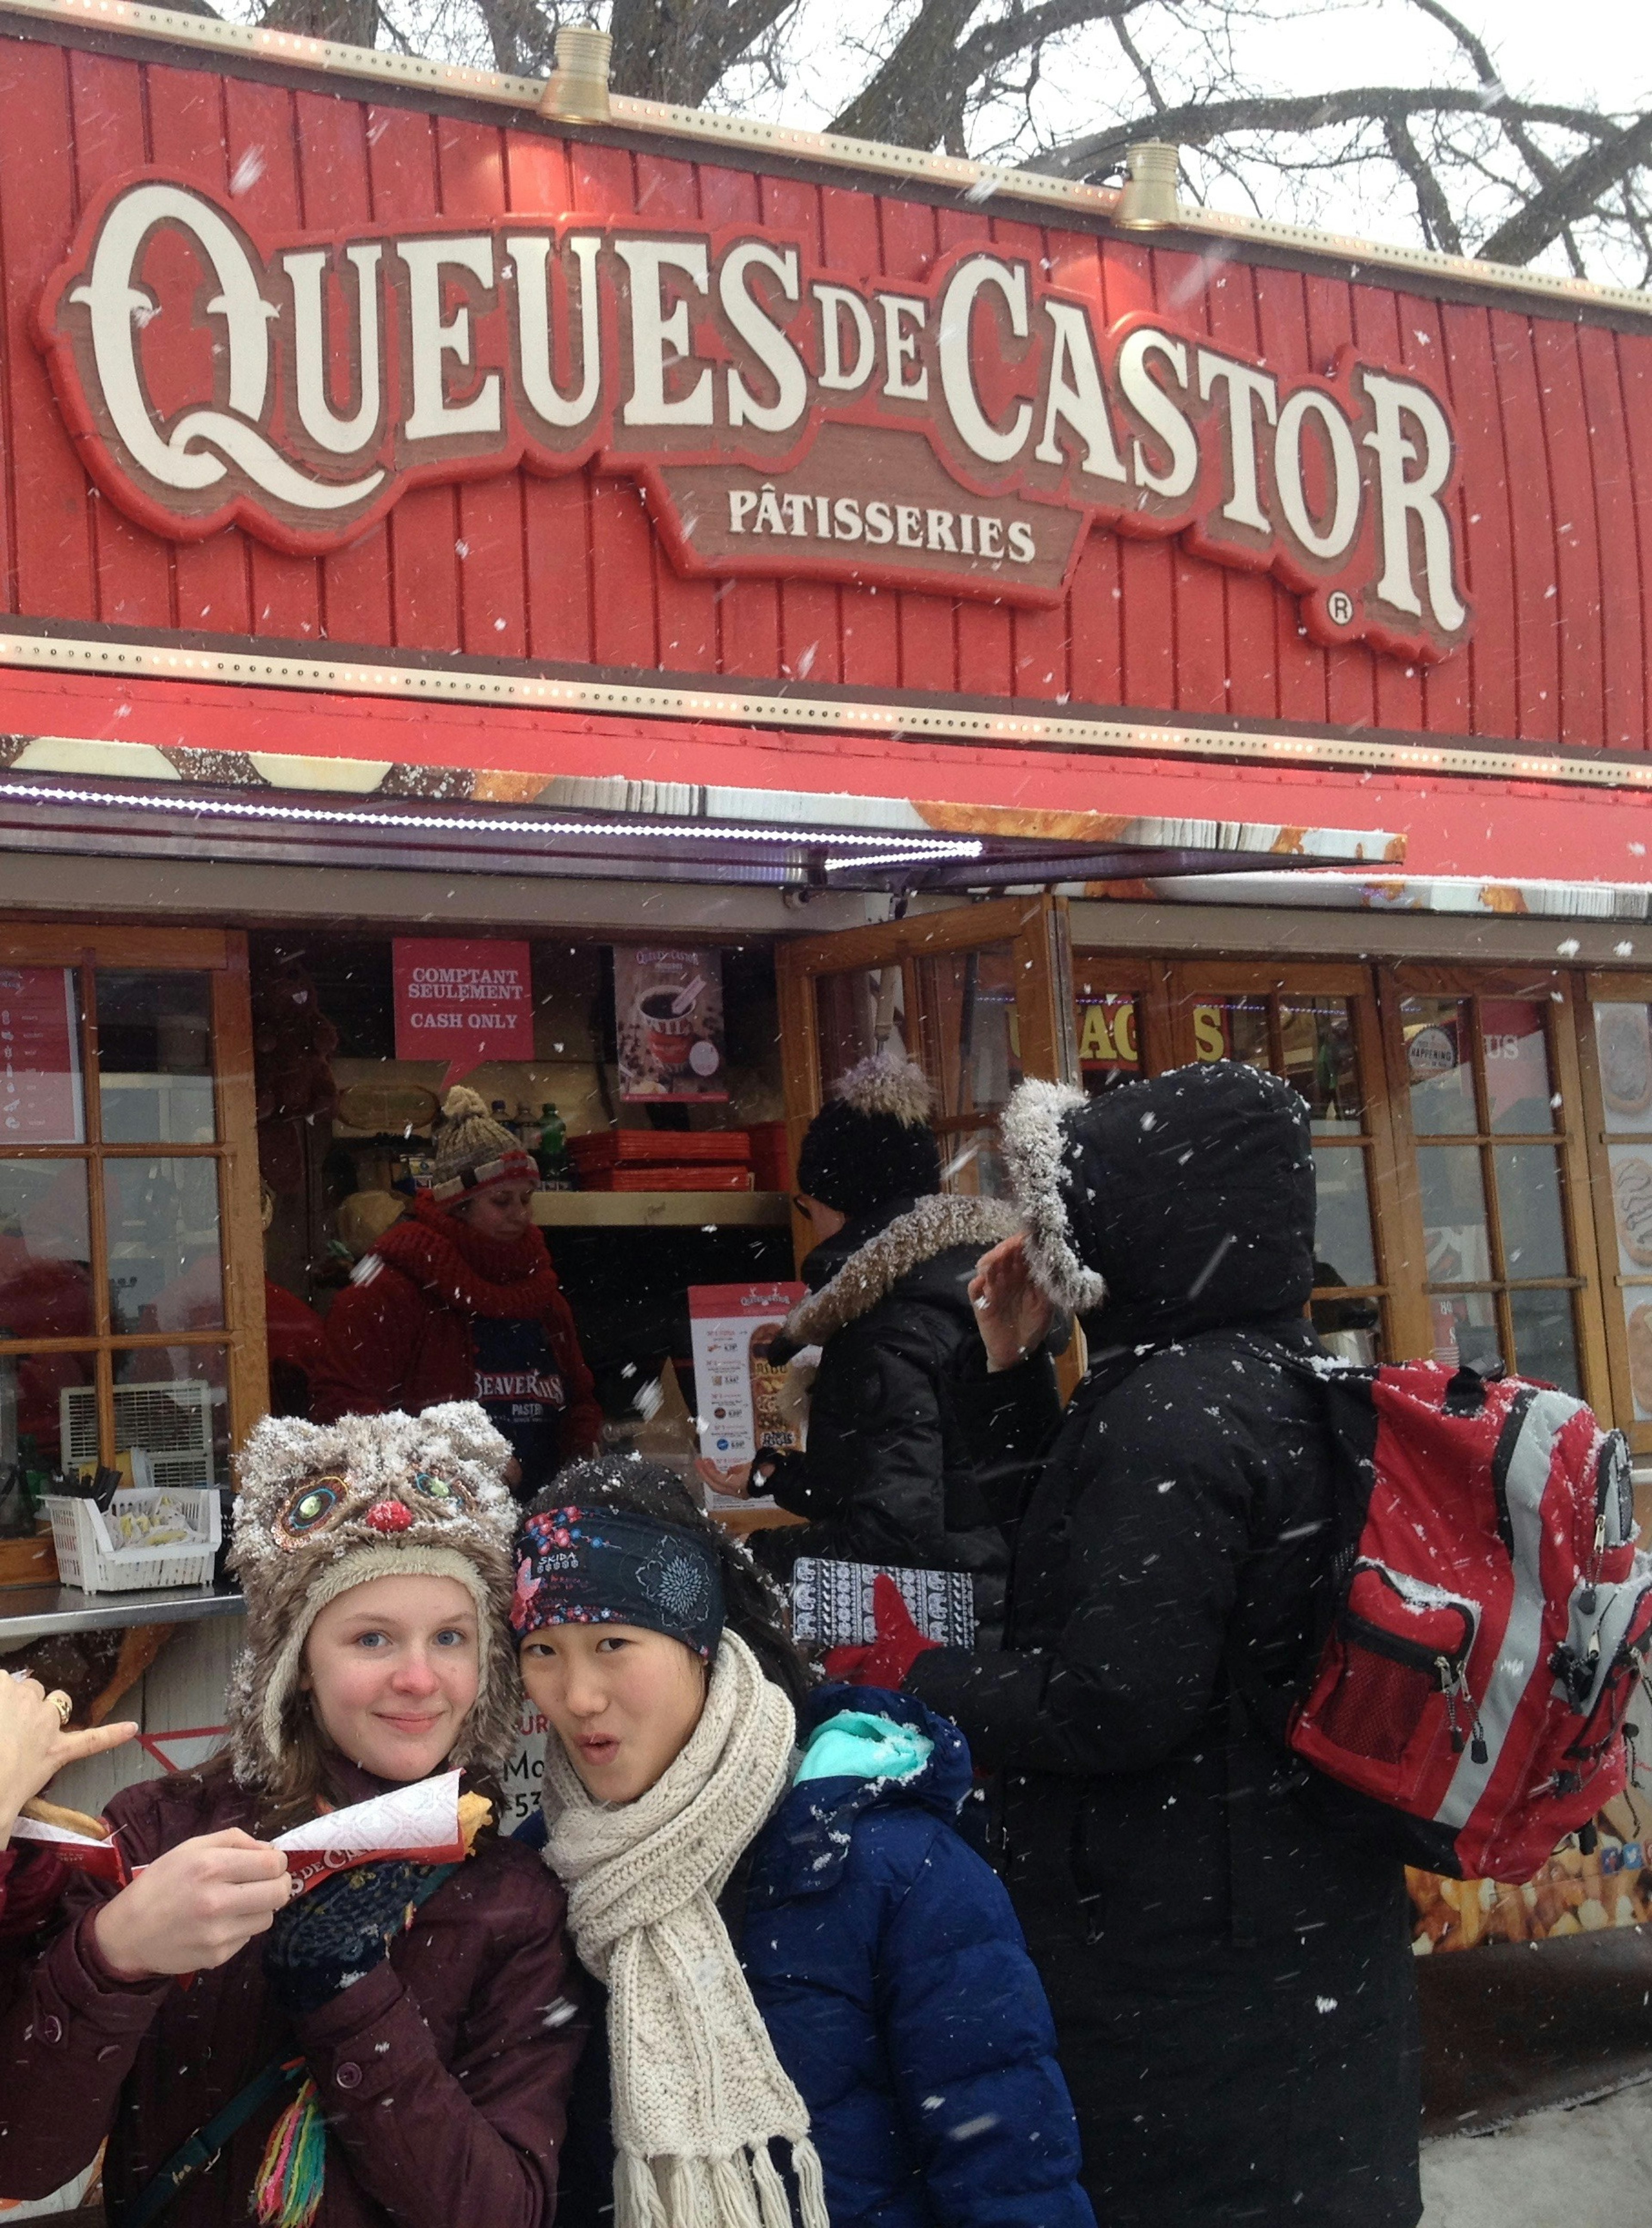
column 457, row 2031
column 892, row 1975
column 887, row 1475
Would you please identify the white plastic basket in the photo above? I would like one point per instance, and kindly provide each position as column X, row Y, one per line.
column 87, row 1557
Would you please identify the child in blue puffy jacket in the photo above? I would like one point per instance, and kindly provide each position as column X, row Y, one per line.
column 820, row 2008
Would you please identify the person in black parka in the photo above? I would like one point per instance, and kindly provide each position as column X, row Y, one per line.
column 1233, row 1984
column 887, row 1475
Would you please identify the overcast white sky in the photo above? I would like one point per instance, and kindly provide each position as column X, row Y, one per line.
column 1583, row 51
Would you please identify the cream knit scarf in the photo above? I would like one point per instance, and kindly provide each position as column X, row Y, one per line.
column 697, row 2089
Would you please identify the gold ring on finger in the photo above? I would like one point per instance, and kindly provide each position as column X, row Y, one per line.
column 61, row 1703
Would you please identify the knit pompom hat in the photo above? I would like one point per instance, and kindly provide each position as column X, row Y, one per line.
column 473, row 1151
column 872, row 1141
column 325, row 1506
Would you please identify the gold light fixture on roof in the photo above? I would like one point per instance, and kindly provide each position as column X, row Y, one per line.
column 1150, row 199
column 576, row 90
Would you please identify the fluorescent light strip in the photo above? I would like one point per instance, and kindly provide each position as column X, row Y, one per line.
column 883, row 859
column 917, row 848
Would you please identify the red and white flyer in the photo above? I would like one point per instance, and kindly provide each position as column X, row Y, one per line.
column 736, row 1391
column 102, row 1859
column 420, row 1821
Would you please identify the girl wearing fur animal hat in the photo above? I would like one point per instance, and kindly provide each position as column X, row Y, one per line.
column 397, row 2043
column 886, row 1476
column 458, row 1301
column 818, row 2002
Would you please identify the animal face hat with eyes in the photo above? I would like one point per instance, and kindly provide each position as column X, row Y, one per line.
column 325, row 1506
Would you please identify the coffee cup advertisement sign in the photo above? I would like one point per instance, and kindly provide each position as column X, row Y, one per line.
column 669, row 1025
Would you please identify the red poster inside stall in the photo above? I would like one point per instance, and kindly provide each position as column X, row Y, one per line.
column 463, row 1002
column 40, row 1057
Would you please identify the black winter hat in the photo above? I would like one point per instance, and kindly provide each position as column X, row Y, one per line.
column 872, row 1141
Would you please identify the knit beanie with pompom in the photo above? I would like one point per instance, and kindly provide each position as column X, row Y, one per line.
column 472, row 1151
column 872, row 1141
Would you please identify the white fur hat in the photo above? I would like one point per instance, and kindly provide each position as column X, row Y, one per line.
column 1039, row 1156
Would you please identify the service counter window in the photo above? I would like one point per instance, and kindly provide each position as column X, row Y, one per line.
column 1494, row 1128
column 131, row 1298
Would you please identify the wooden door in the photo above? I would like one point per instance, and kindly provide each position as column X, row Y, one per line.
column 979, row 997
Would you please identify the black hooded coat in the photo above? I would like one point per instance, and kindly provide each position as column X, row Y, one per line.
column 887, row 1475
column 1232, row 1985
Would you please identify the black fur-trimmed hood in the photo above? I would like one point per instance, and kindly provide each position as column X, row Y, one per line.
column 874, row 1268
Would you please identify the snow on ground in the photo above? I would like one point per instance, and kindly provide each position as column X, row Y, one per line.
column 1590, row 2166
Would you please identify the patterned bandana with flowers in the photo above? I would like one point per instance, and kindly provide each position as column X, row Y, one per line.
column 613, row 1566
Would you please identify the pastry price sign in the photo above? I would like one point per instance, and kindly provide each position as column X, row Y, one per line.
column 960, row 434
column 463, row 1002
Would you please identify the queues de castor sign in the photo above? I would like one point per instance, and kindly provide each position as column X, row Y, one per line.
column 961, row 433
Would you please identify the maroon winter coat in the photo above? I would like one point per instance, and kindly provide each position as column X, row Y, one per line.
column 399, row 1335
column 31, row 1879
column 444, row 2073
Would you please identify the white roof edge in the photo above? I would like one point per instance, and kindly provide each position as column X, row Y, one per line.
column 980, row 180
column 1342, row 889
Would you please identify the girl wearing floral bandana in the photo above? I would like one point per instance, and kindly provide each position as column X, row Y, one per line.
column 819, row 2007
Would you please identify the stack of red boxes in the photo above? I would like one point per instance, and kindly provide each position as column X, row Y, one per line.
column 663, row 1160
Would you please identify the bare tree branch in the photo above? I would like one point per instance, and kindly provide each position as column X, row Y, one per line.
column 677, row 50
column 1440, row 225
column 928, row 74
column 1197, row 123
column 1121, row 32
column 1571, row 194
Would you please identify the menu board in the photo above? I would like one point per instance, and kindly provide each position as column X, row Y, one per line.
column 40, row 1098
column 669, row 1025
column 736, row 1391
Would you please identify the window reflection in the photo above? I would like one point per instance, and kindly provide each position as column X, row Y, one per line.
column 164, row 1271
column 155, row 1057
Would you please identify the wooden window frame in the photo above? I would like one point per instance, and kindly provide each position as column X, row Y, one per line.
column 1556, row 987
column 221, row 955
column 1167, row 991
column 1606, row 988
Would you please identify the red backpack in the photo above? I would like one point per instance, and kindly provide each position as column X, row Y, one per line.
column 1491, row 1617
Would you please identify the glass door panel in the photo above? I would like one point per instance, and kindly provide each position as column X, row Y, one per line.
column 155, row 1057
column 858, row 1013
column 45, row 1251
column 1500, row 1271
column 1312, row 1036
column 970, row 994
column 165, row 1272
column 1619, row 1076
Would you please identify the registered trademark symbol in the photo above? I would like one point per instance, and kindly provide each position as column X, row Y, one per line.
column 1340, row 604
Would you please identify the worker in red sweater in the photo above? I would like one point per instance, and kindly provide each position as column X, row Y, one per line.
column 458, row 1301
